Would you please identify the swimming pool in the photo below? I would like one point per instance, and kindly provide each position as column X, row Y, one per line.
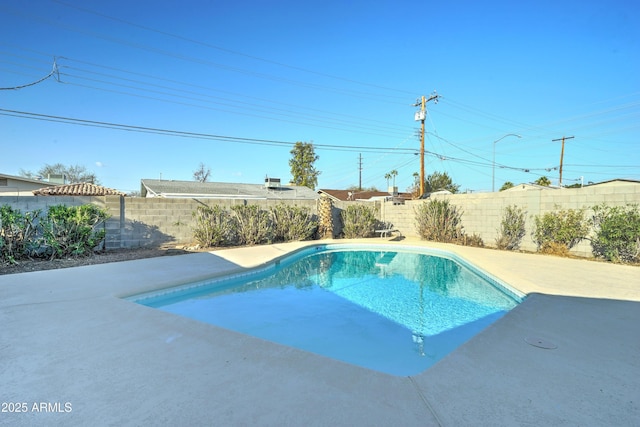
column 395, row 309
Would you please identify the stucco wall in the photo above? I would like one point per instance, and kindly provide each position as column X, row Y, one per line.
column 32, row 203
column 17, row 187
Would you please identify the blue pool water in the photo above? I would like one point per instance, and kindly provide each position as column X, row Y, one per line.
column 396, row 311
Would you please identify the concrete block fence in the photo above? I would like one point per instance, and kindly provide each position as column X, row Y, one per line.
column 482, row 212
column 147, row 222
column 141, row 222
column 156, row 221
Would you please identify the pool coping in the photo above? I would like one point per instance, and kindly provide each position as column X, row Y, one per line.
column 68, row 336
column 255, row 271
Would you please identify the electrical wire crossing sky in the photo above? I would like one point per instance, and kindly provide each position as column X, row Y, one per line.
column 132, row 90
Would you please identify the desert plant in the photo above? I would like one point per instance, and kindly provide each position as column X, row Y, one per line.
column 358, row 221
column 439, row 220
column 557, row 232
column 512, row 228
column 73, row 230
column 18, row 234
column 617, row 233
column 213, row 226
column 472, row 240
column 251, row 224
column 292, row 223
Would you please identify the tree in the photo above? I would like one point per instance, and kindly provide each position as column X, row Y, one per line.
column 437, row 181
column 202, row 173
column 543, row 180
column 507, row 185
column 303, row 171
column 355, row 188
column 74, row 174
column 391, row 175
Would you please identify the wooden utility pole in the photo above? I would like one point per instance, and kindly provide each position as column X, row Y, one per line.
column 360, row 173
column 422, row 115
column 561, row 156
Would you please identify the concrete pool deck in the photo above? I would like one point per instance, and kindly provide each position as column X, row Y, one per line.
column 75, row 353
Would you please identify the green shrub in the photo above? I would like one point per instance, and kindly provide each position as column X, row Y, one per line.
column 18, row 234
column 73, row 230
column 251, row 224
column 617, row 233
column 291, row 223
column 440, row 221
column 214, row 226
column 512, row 228
column 557, row 232
column 358, row 221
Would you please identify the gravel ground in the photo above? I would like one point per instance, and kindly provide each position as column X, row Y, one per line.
column 27, row 265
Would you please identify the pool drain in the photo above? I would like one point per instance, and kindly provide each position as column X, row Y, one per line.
column 540, row 343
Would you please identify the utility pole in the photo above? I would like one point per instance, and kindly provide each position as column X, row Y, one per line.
column 360, row 173
column 561, row 155
column 421, row 115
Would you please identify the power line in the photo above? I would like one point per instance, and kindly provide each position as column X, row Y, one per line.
column 226, row 138
column 200, row 61
column 352, row 123
column 243, row 112
column 212, row 46
column 251, row 99
column 196, row 135
column 53, row 73
column 248, row 108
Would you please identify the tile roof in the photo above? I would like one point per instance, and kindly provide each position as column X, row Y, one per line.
column 81, row 189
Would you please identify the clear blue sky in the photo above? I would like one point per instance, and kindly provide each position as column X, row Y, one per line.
column 336, row 73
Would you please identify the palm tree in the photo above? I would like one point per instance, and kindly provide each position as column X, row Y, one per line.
column 543, row 180
column 393, row 174
column 389, row 176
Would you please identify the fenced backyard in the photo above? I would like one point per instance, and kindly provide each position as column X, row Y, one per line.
column 147, row 222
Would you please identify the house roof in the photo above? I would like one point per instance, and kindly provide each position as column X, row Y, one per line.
column 531, row 186
column 347, row 195
column 29, row 180
column 617, row 180
column 81, row 189
column 223, row 190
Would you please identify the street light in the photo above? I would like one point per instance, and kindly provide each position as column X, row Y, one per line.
column 493, row 181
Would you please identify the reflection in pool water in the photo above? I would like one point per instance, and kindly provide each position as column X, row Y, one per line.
column 393, row 311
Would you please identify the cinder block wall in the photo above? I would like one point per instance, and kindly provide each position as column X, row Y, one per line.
column 138, row 222
column 156, row 221
column 143, row 222
column 482, row 212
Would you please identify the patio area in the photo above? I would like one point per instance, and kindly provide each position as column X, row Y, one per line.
column 69, row 341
